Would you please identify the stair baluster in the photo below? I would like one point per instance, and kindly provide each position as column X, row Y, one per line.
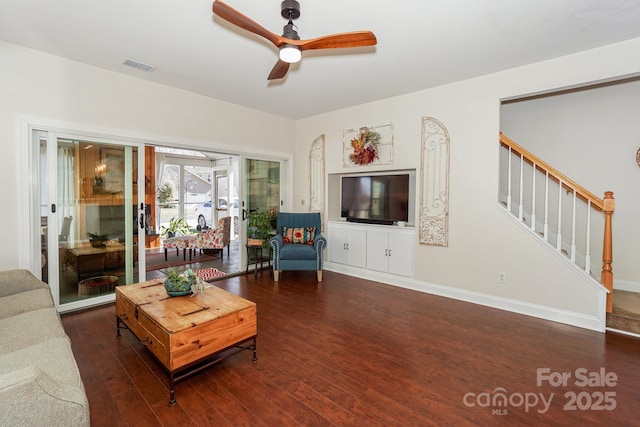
column 546, row 207
column 587, row 257
column 533, row 198
column 521, row 195
column 559, row 232
column 573, row 228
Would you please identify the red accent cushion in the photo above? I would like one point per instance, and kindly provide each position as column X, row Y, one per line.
column 298, row 235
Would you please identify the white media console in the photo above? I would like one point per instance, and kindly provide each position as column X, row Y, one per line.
column 380, row 248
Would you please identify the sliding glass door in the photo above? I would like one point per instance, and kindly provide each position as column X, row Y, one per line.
column 94, row 196
column 91, row 214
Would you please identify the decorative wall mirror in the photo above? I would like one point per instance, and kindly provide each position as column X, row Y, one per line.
column 434, row 171
column 316, row 177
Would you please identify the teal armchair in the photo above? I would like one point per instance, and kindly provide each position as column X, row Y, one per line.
column 298, row 244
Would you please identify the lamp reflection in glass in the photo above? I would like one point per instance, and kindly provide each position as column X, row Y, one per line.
column 99, row 172
column 290, row 53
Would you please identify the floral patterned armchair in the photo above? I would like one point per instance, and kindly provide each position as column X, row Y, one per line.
column 216, row 238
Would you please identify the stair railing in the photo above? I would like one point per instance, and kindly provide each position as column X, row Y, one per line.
column 521, row 170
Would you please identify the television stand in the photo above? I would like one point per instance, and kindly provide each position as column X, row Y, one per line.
column 365, row 250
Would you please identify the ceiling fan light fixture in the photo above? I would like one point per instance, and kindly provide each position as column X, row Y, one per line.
column 290, row 53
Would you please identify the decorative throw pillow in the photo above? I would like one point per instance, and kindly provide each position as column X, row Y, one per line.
column 299, row 235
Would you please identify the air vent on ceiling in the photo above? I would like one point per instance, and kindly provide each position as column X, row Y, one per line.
column 139, row 65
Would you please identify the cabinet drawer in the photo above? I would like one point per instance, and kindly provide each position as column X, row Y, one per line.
column 142, row 327
column 152, row 337
column 125, row 310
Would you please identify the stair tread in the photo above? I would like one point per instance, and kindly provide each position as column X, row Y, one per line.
column 626, row 304
column 626, row 312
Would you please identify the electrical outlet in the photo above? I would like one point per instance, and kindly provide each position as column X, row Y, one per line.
column 502, row 277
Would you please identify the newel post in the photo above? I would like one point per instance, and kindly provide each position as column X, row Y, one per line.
column 606, row 277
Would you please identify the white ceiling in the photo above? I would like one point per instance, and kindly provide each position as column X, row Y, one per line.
column 421, row 43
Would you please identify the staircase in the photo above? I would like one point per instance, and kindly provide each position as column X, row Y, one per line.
column 566, row 216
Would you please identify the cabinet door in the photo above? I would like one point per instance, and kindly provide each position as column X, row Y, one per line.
column 357, row 247
column 378, row 250
column 400, row 253
column 337, row 244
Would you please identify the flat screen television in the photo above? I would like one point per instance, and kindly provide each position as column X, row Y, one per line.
column 375, row 199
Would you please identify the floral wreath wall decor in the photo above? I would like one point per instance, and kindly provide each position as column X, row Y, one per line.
column 365, row 147
column 368, row 145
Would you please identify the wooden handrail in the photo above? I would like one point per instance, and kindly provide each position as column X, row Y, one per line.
column 580, row 190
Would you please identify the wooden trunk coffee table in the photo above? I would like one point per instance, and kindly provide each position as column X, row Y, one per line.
column 186, row 334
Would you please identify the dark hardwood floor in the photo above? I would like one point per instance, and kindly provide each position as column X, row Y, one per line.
column 354, row 352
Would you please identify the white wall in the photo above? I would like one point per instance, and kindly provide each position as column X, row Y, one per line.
column 53, row 88
column 482, row 240
column 592, row 136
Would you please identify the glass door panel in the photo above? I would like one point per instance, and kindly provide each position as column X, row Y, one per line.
column 90, row 213
column 228, row 204
column 168, row 193
column 262, row 194
column 197, row 197
column 263, row 187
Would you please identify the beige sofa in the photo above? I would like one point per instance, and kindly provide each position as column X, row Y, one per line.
column 40, row 384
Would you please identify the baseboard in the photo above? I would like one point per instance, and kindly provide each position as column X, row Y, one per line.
column 626, row 285
column 580, row 320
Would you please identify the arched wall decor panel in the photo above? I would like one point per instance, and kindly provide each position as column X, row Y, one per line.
column 316, row 177
column 434, row 171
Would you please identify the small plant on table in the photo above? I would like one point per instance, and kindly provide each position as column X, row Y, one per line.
column 176, row 226
column 97, row 240
column 188, row 282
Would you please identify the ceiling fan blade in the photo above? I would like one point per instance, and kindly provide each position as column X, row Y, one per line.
column 279, row 70
column 236, row 18
column 341, row 40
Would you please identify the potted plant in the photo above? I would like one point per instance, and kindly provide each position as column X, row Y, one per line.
column 176, row 226
column 258, row 227
column 178, row 284
column 97, row 240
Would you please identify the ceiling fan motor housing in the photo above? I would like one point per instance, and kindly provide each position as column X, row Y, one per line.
column 290, row 9
column 289, row 31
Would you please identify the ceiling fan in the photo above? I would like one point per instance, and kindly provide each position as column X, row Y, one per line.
column 289, row 44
